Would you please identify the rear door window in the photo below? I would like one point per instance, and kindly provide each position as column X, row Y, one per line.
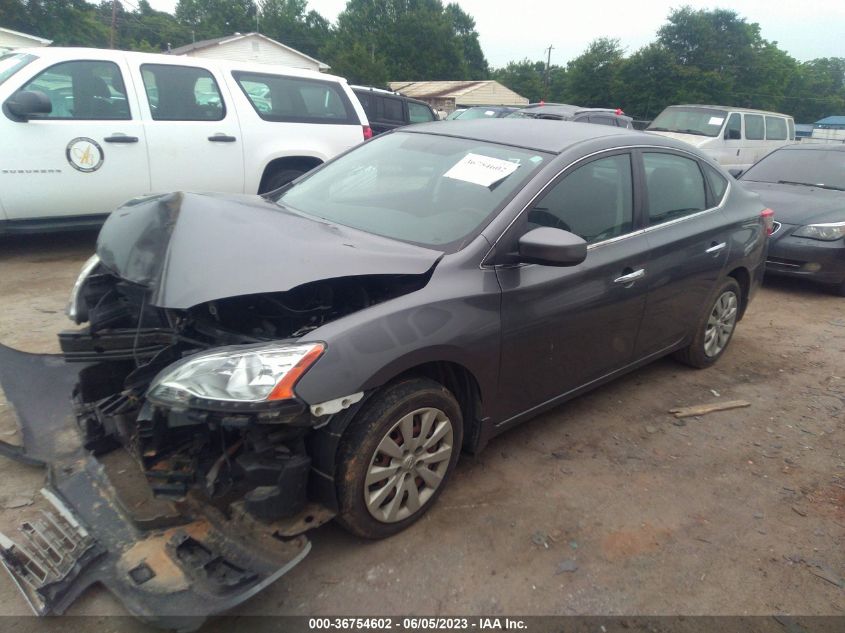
column 603, row 120
column 775, row 128
column 393, row 109
column 675, row 186
column 754, row 127
column 84, row 90
column 182, row 93
column 281, row 98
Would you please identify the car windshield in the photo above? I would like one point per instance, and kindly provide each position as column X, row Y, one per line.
column 699, row 121
column 432, row 190
column 12, row 63
column 820, row 168
column 477, row 113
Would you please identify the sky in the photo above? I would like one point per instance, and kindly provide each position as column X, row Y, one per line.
column 513, row 30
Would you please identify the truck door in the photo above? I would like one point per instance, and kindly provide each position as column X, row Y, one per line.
column 193, row 133
column 84, row 158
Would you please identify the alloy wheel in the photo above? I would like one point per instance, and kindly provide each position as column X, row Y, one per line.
column 720, row 324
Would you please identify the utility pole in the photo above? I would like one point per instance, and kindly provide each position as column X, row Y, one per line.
column 113, row 22
column 548, row 65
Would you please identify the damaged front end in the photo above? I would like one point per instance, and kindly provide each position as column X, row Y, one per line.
column 179, row 457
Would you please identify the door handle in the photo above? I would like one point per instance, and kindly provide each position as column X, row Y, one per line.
column 715, row 248
column 630, row 277
column 121, row 138
column 222, row 138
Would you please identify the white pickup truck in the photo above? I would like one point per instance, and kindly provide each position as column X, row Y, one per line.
column 84, row 130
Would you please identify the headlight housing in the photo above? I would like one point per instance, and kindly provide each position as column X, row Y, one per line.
column 75, row 311
column 242, row 374
column 825, row 232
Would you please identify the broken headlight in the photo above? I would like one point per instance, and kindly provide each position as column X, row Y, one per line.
column 77, row 312
column 240, row 374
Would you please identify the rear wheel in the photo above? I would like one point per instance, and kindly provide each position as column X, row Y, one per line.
column 396, row 456
column 715, row 329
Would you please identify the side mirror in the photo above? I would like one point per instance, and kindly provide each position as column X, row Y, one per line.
column 735, row 172
column 28, row 103
column 733, row 135
column 552, row 247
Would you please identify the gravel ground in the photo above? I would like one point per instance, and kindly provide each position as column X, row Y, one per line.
column 607, row 505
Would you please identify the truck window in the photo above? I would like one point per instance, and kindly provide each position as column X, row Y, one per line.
column 754, row 127
column 775, row 128
column 296, row 99
column 393, row 109
column 11, row 63
column 182, row 93
column 84, row 90
column 418, row 113
column 733, row 130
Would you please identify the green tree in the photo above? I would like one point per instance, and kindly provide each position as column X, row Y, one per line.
column 215, row 18
column 591, row 76
column 405, row 39
column 463, row 25
column 525, row 78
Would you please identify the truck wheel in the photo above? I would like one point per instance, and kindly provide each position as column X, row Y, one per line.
column 715, row 329
column 279, row 179
column 396, row 456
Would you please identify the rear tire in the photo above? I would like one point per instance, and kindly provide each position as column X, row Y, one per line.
column 279, row 179
column 396, row 456
column 716, row 327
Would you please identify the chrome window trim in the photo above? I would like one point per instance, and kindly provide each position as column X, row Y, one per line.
column 618, row 238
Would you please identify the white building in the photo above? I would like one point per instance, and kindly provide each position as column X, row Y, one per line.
column 449, row 95
column 251, row 47
column 10, row 39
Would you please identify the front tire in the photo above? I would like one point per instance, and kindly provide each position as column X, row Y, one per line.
column 396, row 456
column 716, row 327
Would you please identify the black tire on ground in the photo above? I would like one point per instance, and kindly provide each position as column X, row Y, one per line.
column 358, row 454
column 279, row 179
column 840, row 289
column 694, row 354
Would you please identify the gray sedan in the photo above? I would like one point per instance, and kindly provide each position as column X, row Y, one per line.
column 261, row 365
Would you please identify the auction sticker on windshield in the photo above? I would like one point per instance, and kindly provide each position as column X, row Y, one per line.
column 715, row 120
column 481, row 170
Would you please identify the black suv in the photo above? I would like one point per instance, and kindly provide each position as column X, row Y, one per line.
column 388, row 110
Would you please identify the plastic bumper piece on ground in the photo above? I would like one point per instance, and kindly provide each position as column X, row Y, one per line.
column 171, row 565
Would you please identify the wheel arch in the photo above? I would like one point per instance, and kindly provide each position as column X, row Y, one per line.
column 306, row 163
column 743, row 278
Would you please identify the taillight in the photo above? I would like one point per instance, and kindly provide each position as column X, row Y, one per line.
column 368, row 132
column 768, row 220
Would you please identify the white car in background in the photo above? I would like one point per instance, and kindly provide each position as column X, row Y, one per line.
column 736, row 138
column 84, row 130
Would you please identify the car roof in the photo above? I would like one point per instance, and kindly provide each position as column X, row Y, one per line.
column 809, row 144
column 68, row 53
column 537, row 134
column 565, row 109
column 722, row 107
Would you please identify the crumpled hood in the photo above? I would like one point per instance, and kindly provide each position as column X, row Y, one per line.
column 797, row 204
column 192, row 248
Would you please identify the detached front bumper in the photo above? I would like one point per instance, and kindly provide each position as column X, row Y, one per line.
column 170, row 564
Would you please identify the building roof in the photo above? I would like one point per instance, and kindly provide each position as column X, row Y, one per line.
column 226, row 39
column 35, row 39
column 452, row 89
column 831, row 120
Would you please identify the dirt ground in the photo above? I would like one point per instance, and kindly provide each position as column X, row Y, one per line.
column 607, row 505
